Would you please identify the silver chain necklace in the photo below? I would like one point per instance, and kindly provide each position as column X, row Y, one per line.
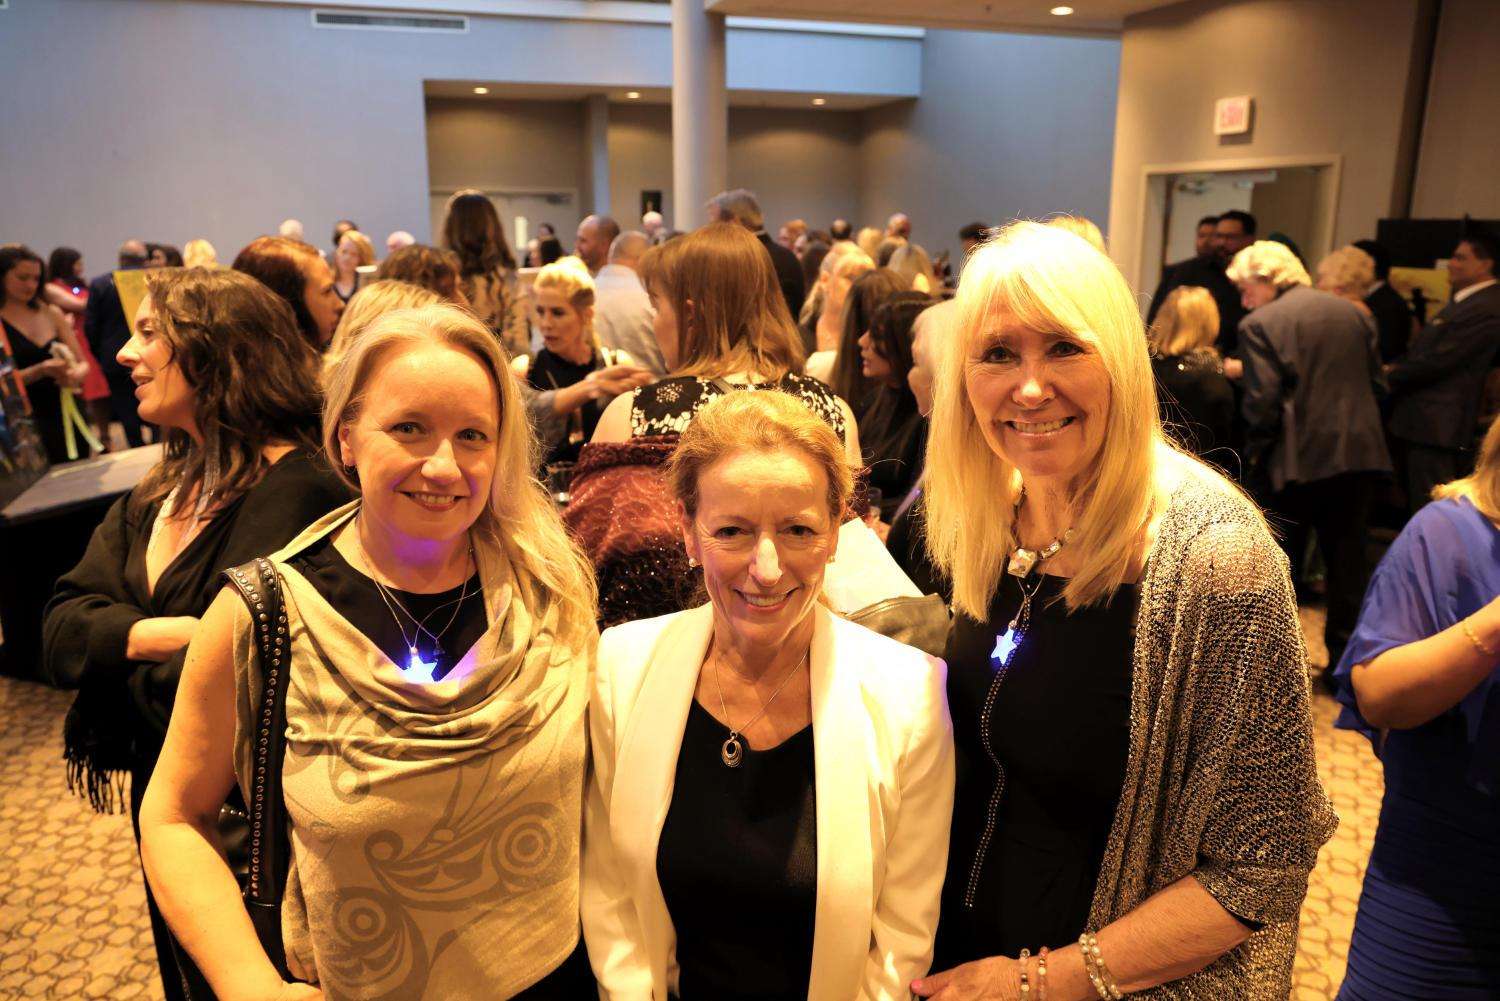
column 416, row 668
column 732, row 752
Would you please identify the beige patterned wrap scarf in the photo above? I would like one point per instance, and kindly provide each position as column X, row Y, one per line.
column 435, row 828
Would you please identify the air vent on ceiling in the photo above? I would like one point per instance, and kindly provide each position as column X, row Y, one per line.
column 373, row 21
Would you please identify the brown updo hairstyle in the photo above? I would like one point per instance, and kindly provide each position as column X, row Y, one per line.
column 254, row 378
column 434, row 269
column 763, row 420
column 281, row 265
column 738, row 320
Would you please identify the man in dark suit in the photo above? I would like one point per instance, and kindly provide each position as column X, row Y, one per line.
column 1232, row 232
column 1436, row 386
column 741, row 206
column 1393, row 319
column 1314, row 446
column 107, row 330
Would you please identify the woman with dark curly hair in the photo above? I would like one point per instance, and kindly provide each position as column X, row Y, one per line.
column 220, row 367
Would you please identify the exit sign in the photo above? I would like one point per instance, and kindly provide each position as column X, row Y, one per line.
column 1232, row 116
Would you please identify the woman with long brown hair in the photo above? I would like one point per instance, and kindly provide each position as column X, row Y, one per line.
column 487, row 268
column 220, row 366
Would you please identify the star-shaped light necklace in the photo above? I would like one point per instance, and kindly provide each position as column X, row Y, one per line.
column 420, row 669
column 1020, row 566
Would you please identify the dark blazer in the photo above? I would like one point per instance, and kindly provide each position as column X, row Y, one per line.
column 788, row 273
column 1392, row 320
column 1310, row 385
column 1208, row 273
column 105, row 326
column 1436, row 387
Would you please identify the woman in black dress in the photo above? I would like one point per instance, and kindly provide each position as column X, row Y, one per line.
column 220, row 366
column 33, row 326
column 1196, row 400
column 573, row 377
column 1137, row 798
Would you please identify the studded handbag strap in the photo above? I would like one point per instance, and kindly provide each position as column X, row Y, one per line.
column 260, row 586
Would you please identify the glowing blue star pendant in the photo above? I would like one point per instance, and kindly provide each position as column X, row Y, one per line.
column 1005, row 646
column 419, row 670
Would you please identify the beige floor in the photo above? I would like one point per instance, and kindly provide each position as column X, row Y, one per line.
column 72, row 911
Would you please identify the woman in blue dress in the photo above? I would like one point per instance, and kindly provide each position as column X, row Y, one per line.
column 1419, row 677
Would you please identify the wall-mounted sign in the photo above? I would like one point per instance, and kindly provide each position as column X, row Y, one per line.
column 1232, row 116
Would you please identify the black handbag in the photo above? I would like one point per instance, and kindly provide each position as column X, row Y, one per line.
column 264, row 882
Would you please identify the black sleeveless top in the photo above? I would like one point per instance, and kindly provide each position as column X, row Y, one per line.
column 1058, row 722
column 45, row 397
column 668, row 406
column 738, row 865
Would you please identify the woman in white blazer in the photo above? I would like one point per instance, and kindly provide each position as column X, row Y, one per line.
column 772, row 785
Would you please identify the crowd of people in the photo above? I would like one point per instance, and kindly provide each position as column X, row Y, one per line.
column 950, row 642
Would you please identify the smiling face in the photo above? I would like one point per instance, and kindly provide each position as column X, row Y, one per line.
column 424, row 441
column 323, row 303
column 561, row 323
column 1041, row 398
column 163, row 394
column 764, row 535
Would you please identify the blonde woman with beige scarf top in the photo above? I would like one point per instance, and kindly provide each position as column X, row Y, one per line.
column 1137, row 790
column 440, row 630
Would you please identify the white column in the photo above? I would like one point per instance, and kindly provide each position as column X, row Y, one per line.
column 596, row 128
column 700, row 116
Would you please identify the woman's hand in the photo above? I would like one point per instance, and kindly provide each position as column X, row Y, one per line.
column 158, row 639
column 989, row 979
column 616, row 380
column 53, row 368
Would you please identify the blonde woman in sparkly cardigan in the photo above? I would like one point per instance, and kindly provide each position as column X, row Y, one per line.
column 1137, row 806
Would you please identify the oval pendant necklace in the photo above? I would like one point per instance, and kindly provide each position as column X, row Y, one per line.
column 732, row 752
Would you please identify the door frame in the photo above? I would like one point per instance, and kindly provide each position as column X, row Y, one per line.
column 1153, row 203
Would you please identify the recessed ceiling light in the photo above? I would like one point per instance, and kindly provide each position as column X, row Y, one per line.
column 1061, row 11
column 818, row 102
column 481, row 90
column 634, row 95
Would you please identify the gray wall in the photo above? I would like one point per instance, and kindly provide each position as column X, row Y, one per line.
column 1456, row 170
column 1007, row 126
column 1327, row 77
column 183, row 118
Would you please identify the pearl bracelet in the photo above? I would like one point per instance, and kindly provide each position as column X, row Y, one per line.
column 1099, row 975
column 1474, row 638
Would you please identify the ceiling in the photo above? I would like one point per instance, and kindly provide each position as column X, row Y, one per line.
column 499, row 91
column 1089, row 17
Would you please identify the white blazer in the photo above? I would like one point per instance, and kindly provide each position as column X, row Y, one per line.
column 883, row 768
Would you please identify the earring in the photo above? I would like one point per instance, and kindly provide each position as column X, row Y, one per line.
column 692, row 563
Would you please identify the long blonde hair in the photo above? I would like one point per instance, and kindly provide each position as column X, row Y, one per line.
column 1047, row 279
column 519, row 520
column 368, row 305
column 1482, row 486
column 1188, row 321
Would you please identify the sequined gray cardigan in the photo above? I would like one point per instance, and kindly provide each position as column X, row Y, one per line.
column 1220, row 778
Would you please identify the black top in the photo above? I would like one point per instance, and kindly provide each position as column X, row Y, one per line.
column 893, row 438
column 89, row 617
column 1197, row 405
column 738, row 865
column 457, row 616
column 669, row 405
column 44, row 394
column 548, row 372
column 1205, row 272
column 907, row 544
column 788, row 274
column 1059, row 725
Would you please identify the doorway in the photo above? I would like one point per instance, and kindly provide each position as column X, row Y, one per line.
column 1294, row 197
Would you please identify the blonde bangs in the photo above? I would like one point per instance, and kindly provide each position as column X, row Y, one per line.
column 1052, row 280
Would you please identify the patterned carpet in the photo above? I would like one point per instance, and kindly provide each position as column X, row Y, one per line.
column 73, row 913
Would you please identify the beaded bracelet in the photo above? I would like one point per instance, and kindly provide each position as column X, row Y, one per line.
column 1099, row 975
column 1474, row 638
column 1025, row 978
column 1041, row 974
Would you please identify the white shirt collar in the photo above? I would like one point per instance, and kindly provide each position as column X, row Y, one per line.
column 1463, row 294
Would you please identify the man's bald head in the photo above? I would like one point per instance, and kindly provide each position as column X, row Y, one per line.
column 132, row 254
column 627, row 248
column 898, row 226
column 595, row 234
